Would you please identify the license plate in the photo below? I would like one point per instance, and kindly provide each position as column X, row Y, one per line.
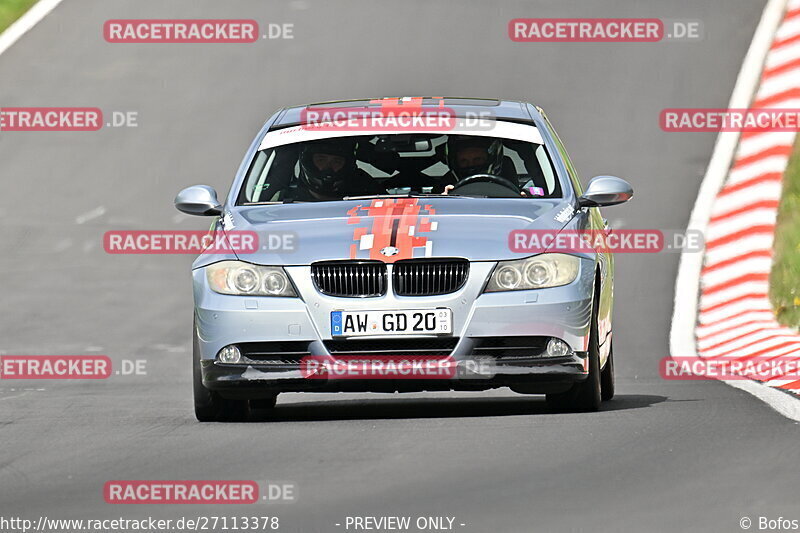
column 406, row 322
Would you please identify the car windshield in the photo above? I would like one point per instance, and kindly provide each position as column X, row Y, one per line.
column 329, row 168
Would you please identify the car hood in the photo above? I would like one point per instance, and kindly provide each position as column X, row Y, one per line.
column 391, row 229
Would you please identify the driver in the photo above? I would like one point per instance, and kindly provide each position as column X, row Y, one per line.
column 468, row 156
column 328, row 171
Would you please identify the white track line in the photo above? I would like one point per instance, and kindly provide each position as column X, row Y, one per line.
column 27, row 21
column 97, row 212
column 687, row 284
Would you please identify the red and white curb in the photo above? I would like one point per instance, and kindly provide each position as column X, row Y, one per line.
column 722, row 307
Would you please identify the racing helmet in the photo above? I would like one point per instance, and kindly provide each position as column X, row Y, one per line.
column 493, row 164
column 327, row 181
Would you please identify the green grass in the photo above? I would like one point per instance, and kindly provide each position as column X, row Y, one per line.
column 784, row 291
column 11, row 10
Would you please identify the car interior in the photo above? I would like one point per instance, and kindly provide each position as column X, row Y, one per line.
column 409, row 164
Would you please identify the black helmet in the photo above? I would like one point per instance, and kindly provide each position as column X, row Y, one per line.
column 494, row 152
column 327, row 182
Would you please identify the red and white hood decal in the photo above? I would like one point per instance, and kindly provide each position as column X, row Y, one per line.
column 391, row 229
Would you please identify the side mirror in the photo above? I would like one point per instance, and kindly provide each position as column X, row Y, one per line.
column 606, row 190
column 198, row 200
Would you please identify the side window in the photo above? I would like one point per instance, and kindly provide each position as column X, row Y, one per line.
column 573, row 174
column 547, row 168
column 532, row 166
column 256, row 181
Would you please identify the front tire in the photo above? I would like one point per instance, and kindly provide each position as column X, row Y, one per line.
column 586, row 395
column 607, row 380
column 209, row 406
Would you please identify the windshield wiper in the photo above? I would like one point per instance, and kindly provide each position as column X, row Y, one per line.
column 412, row 195
column 371, row 196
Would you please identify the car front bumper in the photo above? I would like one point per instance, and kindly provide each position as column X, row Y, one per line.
column 301, row 326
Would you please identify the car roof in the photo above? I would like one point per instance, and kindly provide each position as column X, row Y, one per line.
column 498, row 109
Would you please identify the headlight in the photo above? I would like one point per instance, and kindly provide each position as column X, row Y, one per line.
column 537, row 272
column 244, row 279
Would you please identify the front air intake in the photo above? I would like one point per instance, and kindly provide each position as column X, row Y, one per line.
column 350, row 279
column 429, row 277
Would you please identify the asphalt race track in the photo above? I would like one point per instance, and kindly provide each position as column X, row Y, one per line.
column 662, row 456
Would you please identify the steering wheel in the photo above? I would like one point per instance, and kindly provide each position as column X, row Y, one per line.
column 487, row 178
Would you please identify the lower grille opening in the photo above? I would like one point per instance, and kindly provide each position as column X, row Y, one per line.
column 274, row 352
column 509, row 347
column 418, row 346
